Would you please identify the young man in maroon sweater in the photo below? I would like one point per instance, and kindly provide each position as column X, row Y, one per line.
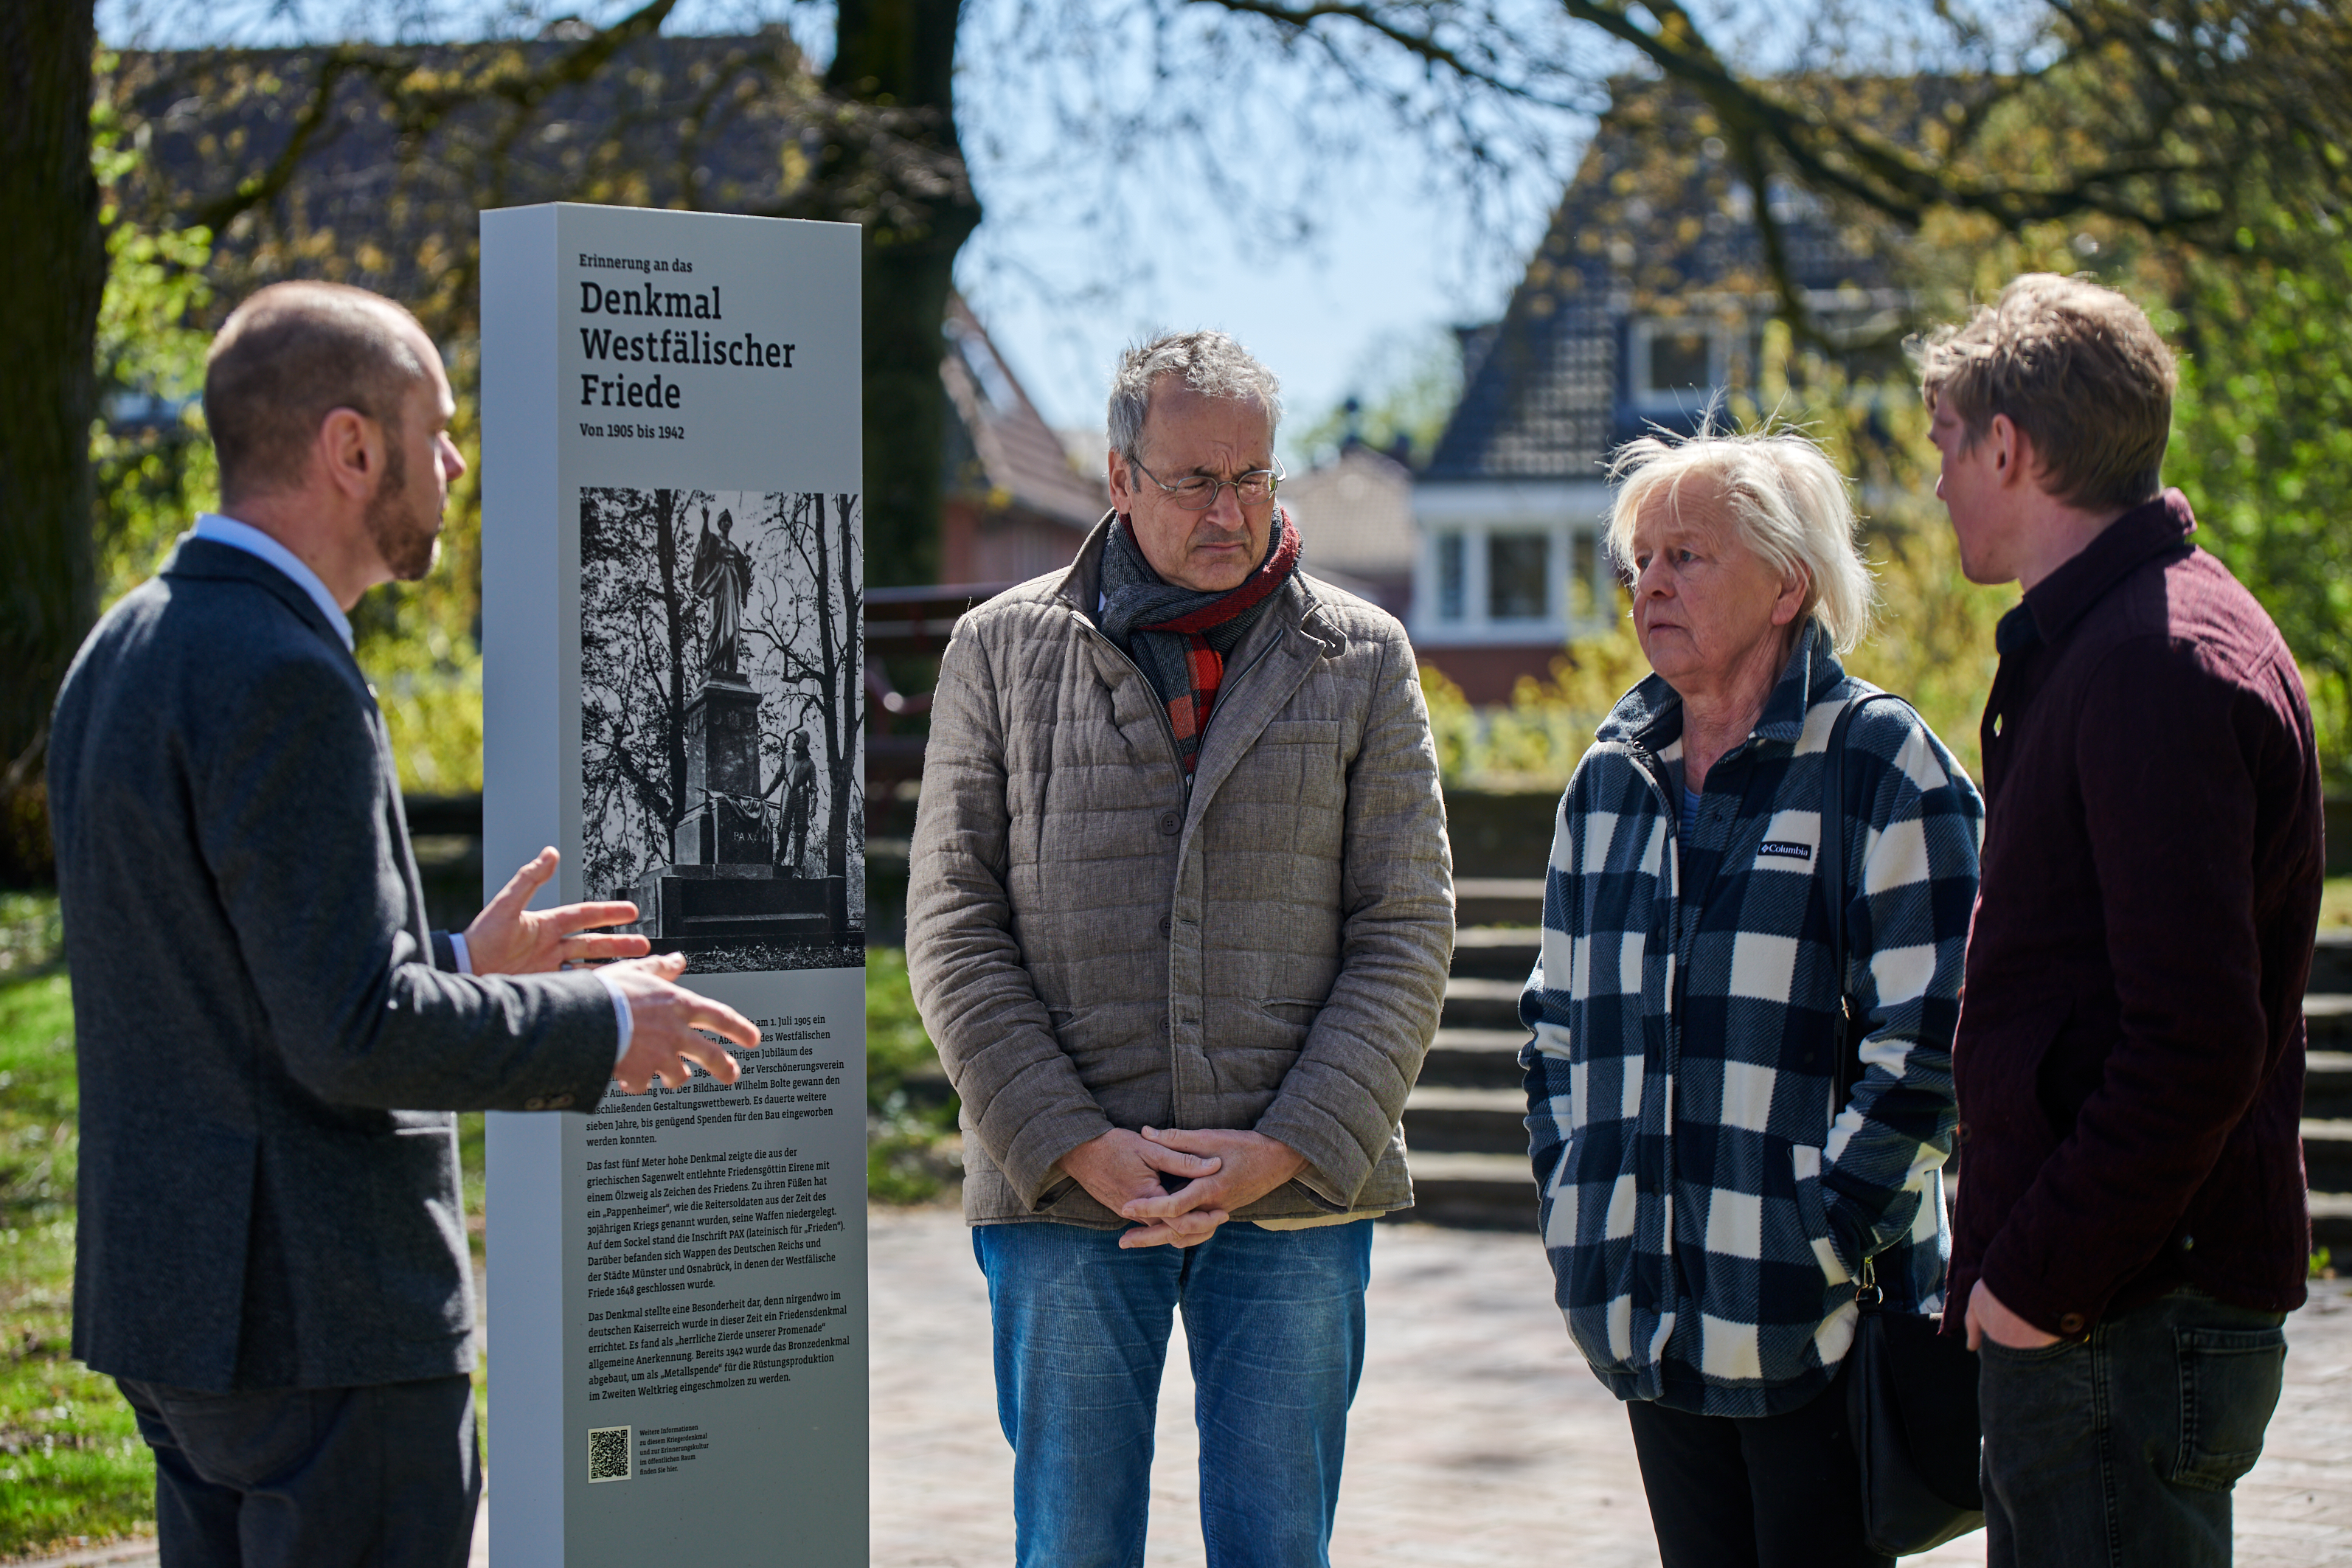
column 2131, row 1226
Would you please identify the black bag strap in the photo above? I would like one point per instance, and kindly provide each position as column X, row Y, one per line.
column 1847, row 1064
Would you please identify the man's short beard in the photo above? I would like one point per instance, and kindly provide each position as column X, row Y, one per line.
column 408, row 542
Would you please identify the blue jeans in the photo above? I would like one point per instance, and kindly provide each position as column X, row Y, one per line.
column 2121, row 1448
column 1274, row 1320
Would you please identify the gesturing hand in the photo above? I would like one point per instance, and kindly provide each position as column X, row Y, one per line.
column 664, row 1025
column 507, row 939
column 1249, row 1166
column 1119, row 1167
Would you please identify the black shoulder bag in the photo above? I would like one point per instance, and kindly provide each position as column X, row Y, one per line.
column 1910, row 1393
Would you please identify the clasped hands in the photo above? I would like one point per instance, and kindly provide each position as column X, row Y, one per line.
column 666, row 1022
column 1228, row 1170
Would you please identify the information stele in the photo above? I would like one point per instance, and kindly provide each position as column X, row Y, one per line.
column 676, row 1283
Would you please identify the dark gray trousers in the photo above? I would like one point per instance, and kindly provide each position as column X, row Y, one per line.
column 2120, row 1448
column 1764, row 1491
column 386, row 1475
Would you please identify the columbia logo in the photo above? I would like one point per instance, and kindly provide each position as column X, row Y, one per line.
column 1783, row 847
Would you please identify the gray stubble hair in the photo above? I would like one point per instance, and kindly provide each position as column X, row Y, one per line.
column 1211, row 363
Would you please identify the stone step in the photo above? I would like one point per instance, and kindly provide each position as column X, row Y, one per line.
column 1498, row 901
column 1448, row 1120
column 2331, row 1224
column 1471, row 1192
column 1467, row 1140
column 1475, row 1059
column 2331, row 963
column 1495, row 953
column 1476, row 1002
column 2327, row 1086
column 2327, row 1155
column 1467, row 1150
column 1491, row 968
column 2327, row 1021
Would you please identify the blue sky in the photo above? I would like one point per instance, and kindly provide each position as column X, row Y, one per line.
column 1384, row 265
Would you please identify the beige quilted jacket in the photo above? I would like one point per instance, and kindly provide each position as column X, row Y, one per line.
column 1093, row 946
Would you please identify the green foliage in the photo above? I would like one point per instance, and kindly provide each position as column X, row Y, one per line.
column 2263, row 445
column 155, row 470
column 31, row 935
column 1406, row 384
column 910, row 1112
column 72, row 1468
column 152, row 460
column 1534, row 741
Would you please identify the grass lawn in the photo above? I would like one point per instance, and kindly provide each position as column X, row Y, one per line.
column 72, row 1469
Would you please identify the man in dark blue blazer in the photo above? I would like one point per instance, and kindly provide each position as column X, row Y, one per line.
column 272, row 1253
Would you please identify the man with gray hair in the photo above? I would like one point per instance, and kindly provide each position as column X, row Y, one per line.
column 1179, row 920
column 271, row 1249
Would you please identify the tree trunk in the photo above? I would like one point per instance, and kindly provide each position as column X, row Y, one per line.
column 52, row 272
column 846, row 681
column 669, row 511
column 902, row 53
column 831, row 667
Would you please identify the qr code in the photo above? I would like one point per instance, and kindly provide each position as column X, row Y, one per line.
column 608, row 1453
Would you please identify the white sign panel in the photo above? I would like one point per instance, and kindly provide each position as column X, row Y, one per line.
column 672, row 593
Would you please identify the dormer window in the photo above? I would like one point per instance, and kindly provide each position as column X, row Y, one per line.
column 1679, row 364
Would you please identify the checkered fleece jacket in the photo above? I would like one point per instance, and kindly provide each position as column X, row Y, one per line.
column 1704, row 1206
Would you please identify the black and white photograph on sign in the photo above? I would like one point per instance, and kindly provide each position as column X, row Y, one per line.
column 721, row 711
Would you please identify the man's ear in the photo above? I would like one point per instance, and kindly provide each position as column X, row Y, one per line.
column 1122, row 485
column 2014, row 461
column 352, row 450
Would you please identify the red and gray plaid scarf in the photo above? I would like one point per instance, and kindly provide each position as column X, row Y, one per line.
column 1179, row 637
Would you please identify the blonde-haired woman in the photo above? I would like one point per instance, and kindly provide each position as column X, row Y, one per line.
column 1707, row 1198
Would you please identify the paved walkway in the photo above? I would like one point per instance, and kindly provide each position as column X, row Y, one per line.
column 1477, row 1439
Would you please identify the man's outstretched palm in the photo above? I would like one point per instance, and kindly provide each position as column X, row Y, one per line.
column 507, row 938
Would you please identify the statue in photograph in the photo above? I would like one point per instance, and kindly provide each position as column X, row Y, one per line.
column 722, row 573
column 800, row 807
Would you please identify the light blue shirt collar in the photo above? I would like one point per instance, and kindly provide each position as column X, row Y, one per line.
column 244, row 536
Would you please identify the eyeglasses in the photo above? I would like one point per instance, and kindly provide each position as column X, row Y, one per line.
column 1198, row 492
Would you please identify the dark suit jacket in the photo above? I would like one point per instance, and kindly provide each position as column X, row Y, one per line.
column 268, row 1048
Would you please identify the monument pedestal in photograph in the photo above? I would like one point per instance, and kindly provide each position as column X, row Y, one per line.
column 724, row 886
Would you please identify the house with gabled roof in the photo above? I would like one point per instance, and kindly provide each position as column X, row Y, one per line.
column 1354, row 517
column 1642, row 307
column 1016, row 504
column 714, row 122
